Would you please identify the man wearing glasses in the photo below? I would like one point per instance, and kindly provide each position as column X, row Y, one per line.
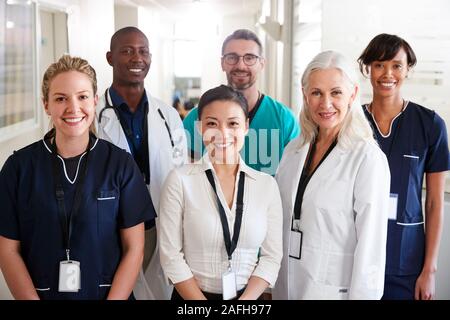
column 272, row 124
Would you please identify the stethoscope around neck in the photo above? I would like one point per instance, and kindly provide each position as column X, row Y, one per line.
column 109, row 105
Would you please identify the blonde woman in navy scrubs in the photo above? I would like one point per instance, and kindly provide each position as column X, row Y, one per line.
column 73, row 206
column 414, row 140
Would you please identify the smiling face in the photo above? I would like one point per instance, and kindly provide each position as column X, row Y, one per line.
column 241, row 76
column 71, row 104
column 387, row 76
column 223, row 127
column 130, row 58
column 328, row 97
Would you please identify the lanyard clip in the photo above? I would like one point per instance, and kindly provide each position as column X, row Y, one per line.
column 68, row 254
column 295, row 225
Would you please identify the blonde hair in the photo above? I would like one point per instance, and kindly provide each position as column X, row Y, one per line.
column 65, row 64
column 355, row 125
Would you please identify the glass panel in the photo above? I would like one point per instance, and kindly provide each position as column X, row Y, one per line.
column 17, row 64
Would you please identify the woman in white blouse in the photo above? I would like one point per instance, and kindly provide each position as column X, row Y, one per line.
column 220, row 221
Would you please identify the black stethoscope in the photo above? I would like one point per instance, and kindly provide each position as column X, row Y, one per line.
column 176, row 152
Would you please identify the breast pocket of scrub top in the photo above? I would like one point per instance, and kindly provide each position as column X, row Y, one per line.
column 409, row 209
column 108, row 207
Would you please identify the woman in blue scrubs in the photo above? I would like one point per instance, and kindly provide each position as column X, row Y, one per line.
column 414, row 140
column 73, row 206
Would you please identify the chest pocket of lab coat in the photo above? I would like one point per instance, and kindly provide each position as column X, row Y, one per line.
column 333, row 195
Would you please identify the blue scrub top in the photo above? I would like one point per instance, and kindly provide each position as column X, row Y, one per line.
column 271, row 129
column 417, row 144
column 115, row 197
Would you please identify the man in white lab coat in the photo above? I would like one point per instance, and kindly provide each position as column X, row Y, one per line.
column 128, row 116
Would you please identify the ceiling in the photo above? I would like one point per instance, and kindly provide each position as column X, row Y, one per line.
column 179, row 7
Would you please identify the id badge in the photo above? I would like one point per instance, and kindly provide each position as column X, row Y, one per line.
column 229, row 288
column 295, row 244
column 393, row 201
column 69, row 276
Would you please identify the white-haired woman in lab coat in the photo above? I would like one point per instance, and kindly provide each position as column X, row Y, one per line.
column 334, row 183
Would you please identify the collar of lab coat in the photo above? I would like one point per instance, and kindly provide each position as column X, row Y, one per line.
column 301, row 146
column 335, row 158
column 205, row 163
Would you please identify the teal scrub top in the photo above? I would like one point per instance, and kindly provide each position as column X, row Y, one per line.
column 271, row 129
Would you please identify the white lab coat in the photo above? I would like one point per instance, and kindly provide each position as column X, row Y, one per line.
column 344, row 217
column 152, row 283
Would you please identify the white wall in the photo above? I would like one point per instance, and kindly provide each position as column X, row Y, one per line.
column 306, row 43
column 158, row 27
column 125, row 16
column 89, row 33
column 90, row 26
column 443, row 272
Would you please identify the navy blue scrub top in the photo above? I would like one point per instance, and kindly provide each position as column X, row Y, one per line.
column 417, row 144
column 115, row 197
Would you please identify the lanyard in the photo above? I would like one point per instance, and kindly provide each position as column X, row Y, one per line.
column 167, row 127
column 230, row 245
column 66, row 221
column 304, row 178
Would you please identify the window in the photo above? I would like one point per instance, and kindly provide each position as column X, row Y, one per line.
column 17, row 67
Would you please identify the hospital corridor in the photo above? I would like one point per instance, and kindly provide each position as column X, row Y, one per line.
column 187, row 50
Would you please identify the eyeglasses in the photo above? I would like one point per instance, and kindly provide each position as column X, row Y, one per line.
column 232, row 59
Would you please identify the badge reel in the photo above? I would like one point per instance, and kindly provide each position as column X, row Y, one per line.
column 229, row 288
column 69, row 276
column 295, row 243
column 393, row 203
column 177, row 153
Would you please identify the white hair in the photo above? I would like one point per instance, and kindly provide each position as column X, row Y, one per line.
column 355, row 125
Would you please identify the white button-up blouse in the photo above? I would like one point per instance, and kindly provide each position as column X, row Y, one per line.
column 191, row 239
